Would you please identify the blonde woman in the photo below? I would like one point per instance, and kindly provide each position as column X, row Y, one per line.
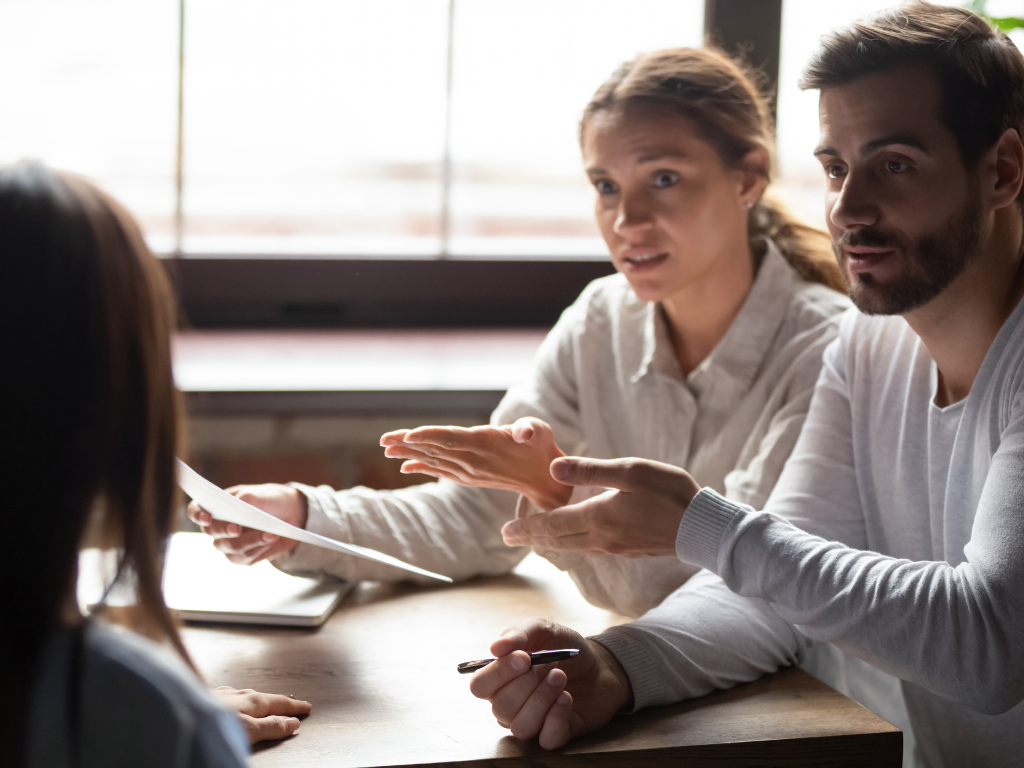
column 701, row 352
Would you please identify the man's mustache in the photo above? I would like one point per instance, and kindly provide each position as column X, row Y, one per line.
column 869, row 237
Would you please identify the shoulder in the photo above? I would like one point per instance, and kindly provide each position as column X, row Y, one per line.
column 812, row 305
column 605, row 295
column 600, row 308
column 142, row 705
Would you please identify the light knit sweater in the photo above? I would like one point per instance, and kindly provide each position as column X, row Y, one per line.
column 895, row 533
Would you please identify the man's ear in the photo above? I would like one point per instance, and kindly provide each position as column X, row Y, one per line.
column 1006, row 159
column 754, row 175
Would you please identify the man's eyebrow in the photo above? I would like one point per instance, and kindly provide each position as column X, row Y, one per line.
column 596, row 171
column 897, row 138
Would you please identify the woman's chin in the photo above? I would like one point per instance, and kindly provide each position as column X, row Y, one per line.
column 649, row 290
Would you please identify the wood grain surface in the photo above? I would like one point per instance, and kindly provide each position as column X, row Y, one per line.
column 381, row 676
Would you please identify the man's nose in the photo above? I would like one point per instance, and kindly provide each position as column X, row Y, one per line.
column 853, row 206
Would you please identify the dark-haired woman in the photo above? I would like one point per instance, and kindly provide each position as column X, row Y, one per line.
column 91, row 425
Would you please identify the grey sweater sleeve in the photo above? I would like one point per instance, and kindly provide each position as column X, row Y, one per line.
column 954, row 630
column 703, row 637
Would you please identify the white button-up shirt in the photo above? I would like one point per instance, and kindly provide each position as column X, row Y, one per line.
column 607, row 380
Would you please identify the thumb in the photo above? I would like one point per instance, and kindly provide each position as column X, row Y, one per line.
column 269, row 728
column 622, row 474
column 531, row 430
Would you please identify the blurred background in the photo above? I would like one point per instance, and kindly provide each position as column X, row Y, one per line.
column 329, row 180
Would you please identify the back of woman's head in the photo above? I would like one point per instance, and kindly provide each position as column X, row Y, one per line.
column 90, row 412
column 723, row 101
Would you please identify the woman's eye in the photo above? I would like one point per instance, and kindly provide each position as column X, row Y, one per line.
column 665, row 179
column 604, row 187
column 896, row 166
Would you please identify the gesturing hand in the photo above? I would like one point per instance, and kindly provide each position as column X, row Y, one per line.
column 639, row 518
column 246, row 546
column 264, row 716
column 560, row 701
column 512, row 458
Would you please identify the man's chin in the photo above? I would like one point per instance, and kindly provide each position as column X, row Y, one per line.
column 892, row 298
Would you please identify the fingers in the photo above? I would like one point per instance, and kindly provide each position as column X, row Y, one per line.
column 268, row 728
column 252, row 547
column 530, row 717
column 614, row 473
column 265, row 704
column 419, row 468
column 393, row 438
column 630, row 475
column 560, row 523
column 556, row 730
column 451, row 438
column 486, row 682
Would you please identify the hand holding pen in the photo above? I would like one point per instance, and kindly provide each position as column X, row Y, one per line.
column 556, row 704
column 541, row 657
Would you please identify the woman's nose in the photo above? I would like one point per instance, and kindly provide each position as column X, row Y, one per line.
column 634, row 215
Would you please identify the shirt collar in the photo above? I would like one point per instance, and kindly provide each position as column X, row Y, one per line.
column 741, row 351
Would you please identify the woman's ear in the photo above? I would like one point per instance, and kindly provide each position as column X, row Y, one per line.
column 754, row 175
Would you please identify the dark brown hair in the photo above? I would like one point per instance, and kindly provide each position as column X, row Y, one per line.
column 731, row 113
column 980, row 71
column 91, row 416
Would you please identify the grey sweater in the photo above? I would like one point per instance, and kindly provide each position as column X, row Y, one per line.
column 895, row 533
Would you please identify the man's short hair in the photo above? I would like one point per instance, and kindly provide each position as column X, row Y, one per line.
column 980, row 71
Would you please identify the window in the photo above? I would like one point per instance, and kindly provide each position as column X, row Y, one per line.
column 321, row 127
column 91, row 86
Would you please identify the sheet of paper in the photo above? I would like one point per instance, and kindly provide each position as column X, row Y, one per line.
column 223, row 506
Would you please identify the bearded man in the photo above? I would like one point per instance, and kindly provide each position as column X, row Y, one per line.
column 894, row 536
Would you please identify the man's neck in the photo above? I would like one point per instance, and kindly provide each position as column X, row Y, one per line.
column 960, row 324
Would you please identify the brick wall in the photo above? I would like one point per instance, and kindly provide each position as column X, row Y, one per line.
column 340, row 451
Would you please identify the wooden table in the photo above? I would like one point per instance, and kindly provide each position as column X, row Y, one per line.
column 381, row 676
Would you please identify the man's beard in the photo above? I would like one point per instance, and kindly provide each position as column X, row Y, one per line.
column 933, row 261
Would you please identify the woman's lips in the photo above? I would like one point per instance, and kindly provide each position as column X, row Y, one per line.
column 637, row 260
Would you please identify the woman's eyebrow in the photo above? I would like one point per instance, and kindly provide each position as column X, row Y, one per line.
column 662, row 155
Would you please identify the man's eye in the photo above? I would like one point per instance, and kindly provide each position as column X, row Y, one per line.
column 896, row 166
column 835, row 171
column 605, row 187
column 665, row 179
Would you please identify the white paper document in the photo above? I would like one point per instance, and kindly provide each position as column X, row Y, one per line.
column 223, row 506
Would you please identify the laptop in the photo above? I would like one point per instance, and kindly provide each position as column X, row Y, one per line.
column 201, row 585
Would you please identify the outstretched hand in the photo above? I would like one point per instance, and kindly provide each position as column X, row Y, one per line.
column 264, row 716
column 638, row 517
column 515, row 458
column 245, row 546
column 556, row 702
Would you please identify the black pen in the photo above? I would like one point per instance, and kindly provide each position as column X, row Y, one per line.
column 541, row 657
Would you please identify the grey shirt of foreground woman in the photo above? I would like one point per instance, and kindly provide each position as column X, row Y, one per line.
column 607, row 381
column 144, row 708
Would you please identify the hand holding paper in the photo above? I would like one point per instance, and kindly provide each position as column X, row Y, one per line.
column 224, row 506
